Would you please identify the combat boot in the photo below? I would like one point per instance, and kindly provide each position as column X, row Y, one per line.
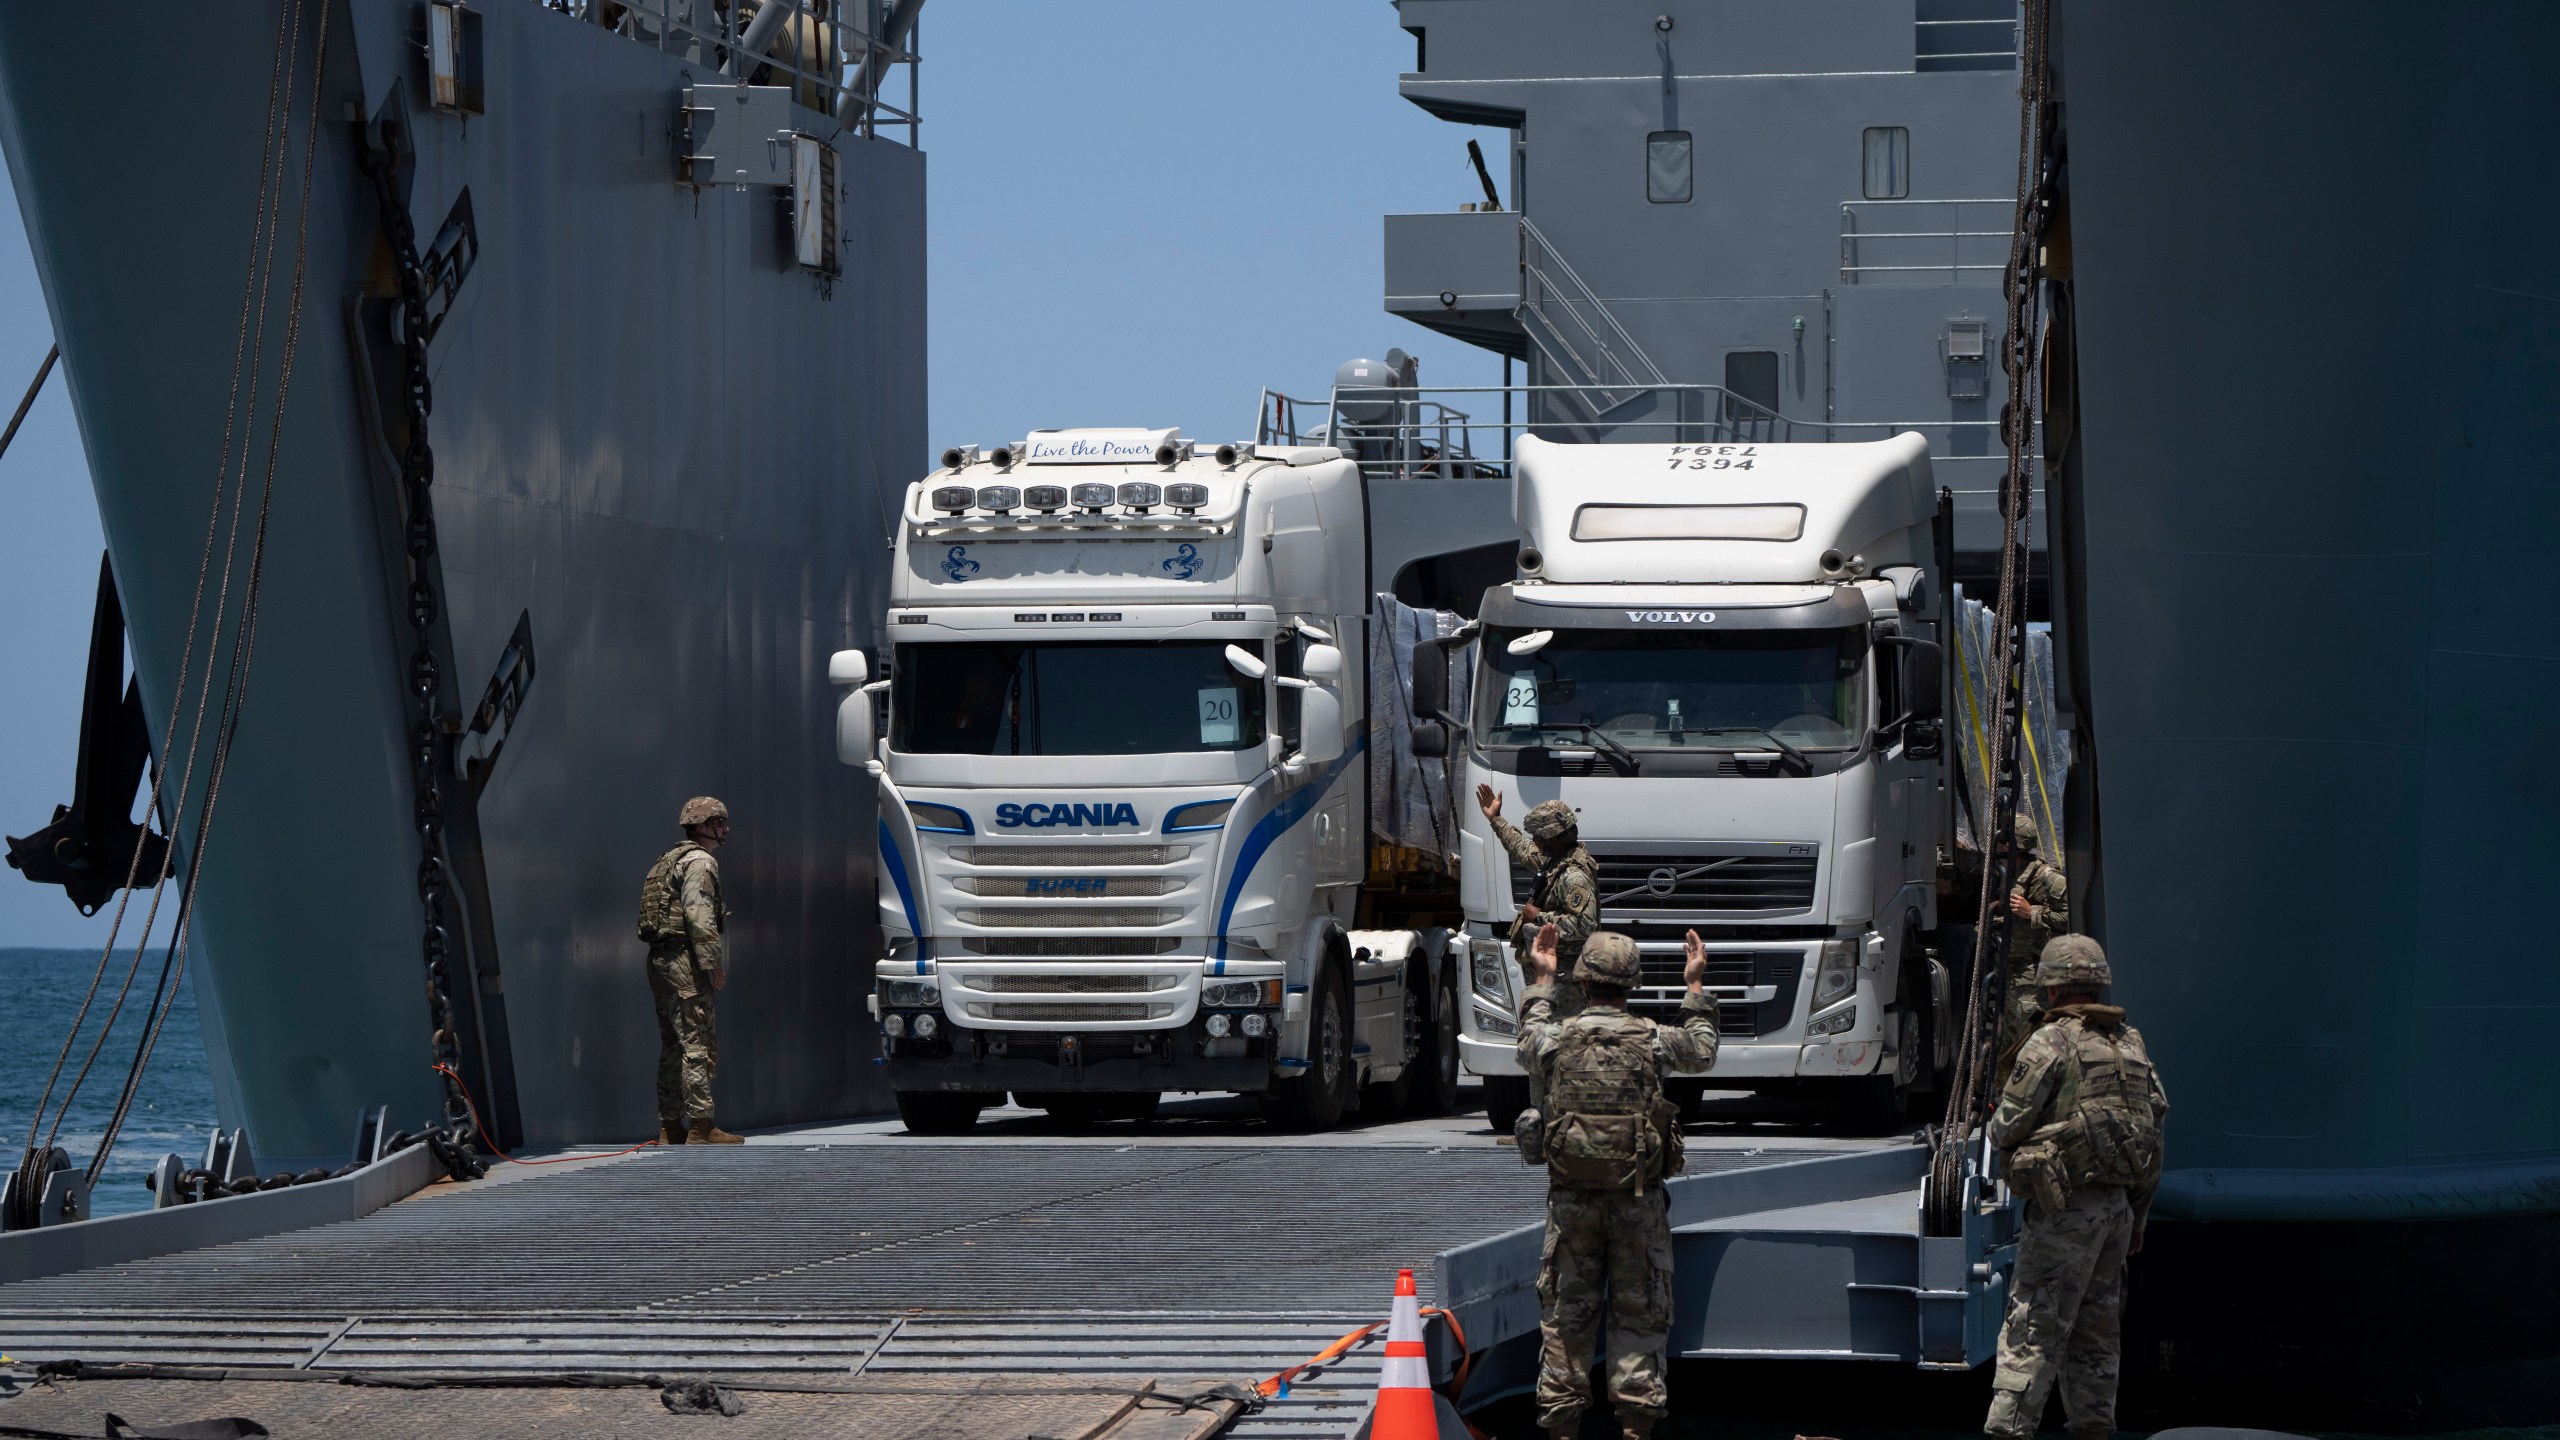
column 1569, row 1428
column 1636, row 1427
column 670, row 1130
column 706, row 1133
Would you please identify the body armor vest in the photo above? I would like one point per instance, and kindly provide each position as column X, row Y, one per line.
column 2108, row 1133
column 1609, row 1126
column 662, row 896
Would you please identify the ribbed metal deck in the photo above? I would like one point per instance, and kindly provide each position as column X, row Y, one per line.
column 936, row 1262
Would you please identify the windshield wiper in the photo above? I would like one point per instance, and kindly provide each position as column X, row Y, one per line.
column 1803, row 761
column 1600, row 742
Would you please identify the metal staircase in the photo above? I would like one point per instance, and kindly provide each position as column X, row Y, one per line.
column 1581, row 343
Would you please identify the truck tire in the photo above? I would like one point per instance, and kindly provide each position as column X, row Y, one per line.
column 1505, row 1096
column 939, row 1112
column 1885, row 1102
column 1435, row 1075
column 1316, row 1096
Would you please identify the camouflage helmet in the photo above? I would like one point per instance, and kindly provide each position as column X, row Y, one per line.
column 2029, row 833
column 701, row 810
column 2073, row 962
column 1608, row 958
column 1548, row 819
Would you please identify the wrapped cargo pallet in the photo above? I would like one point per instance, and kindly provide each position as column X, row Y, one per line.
column 1412, row 802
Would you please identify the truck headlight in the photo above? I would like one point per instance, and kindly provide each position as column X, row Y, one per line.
column 1217, row 1026
column 926, row 1026
column 1490, row 971
column 893, row 1025
column 1240, row 995
column 1257, row 1026
column 1839, row 972
column 918, row 994
column 1840, row 1024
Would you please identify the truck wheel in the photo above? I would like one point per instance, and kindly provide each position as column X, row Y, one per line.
column 1505, row 1096
column 1883, row 1103
column 1315, row 1097
column 1435, row 1088
column 939, row 1112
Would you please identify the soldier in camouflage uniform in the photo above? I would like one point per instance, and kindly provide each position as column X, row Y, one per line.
column 682, row 921
column 1565, row 890
column 1610, row 1138
column 2039, row 909
column 2080, row 1121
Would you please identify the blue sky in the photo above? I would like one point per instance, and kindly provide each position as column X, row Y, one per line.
column 1142, row 213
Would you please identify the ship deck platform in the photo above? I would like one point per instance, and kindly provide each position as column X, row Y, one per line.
column 1027, row 1278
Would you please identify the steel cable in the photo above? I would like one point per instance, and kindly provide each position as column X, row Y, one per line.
column 244, row 640
column 262, row 234
column 34, row 387
column 1968, row 1096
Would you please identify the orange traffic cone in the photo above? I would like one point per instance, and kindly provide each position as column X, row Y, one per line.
column 1407, row 1408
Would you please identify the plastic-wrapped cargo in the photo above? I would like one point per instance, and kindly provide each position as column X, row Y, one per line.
column 2044, row 759
column 1411, row 801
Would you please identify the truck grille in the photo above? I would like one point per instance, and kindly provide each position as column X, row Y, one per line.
column 1059, row 855
column 1663, row 989
column 1075, row 984
column 1696, row 884
column 1070, row 947
column 1044, row 917
column 1068, row 1014
column 1063, row 887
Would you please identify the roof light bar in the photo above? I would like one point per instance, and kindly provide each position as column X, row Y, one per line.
column 953, row 499
column 1091, row 496
column 998, row 499
column 1186, row 497
column 1141, row 495
column 1047, row 499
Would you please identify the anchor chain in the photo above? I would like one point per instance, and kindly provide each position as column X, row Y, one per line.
column 1976, row 1087
column 451, row 1140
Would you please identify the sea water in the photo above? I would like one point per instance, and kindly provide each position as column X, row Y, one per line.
column 40, row 994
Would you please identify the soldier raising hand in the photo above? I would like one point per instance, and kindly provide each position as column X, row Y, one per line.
column 1610, row 1138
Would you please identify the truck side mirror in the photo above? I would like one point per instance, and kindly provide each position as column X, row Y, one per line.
column 1924, row 740
column 1923, row 679
column 1320, row 723
column 854, row 727
column 855, row 740
column 1430, row 685
column 1430, row 740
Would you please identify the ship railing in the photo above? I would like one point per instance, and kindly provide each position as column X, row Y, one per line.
column 1455, row 433
column 836, row 56
column 1574, row 330
column 1889, row 241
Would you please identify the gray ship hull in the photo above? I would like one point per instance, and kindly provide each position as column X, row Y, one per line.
column 655, row 437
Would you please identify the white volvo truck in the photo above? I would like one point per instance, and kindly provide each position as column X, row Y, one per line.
column 1124, row 840
column 1725, row 658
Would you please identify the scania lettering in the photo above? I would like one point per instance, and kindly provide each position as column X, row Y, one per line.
column 1733, row 676
column 1125, row 838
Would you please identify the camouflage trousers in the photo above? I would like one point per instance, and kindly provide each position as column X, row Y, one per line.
column 1612, row 1246
column 688, row 1042
column 2066, row 1316
column 1570, row 1000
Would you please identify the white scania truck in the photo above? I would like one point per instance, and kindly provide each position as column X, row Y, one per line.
column 1725, row 658
column 1124, row 841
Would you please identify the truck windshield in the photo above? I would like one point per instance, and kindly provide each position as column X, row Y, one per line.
column 1081, row 698
column 1650, row 690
